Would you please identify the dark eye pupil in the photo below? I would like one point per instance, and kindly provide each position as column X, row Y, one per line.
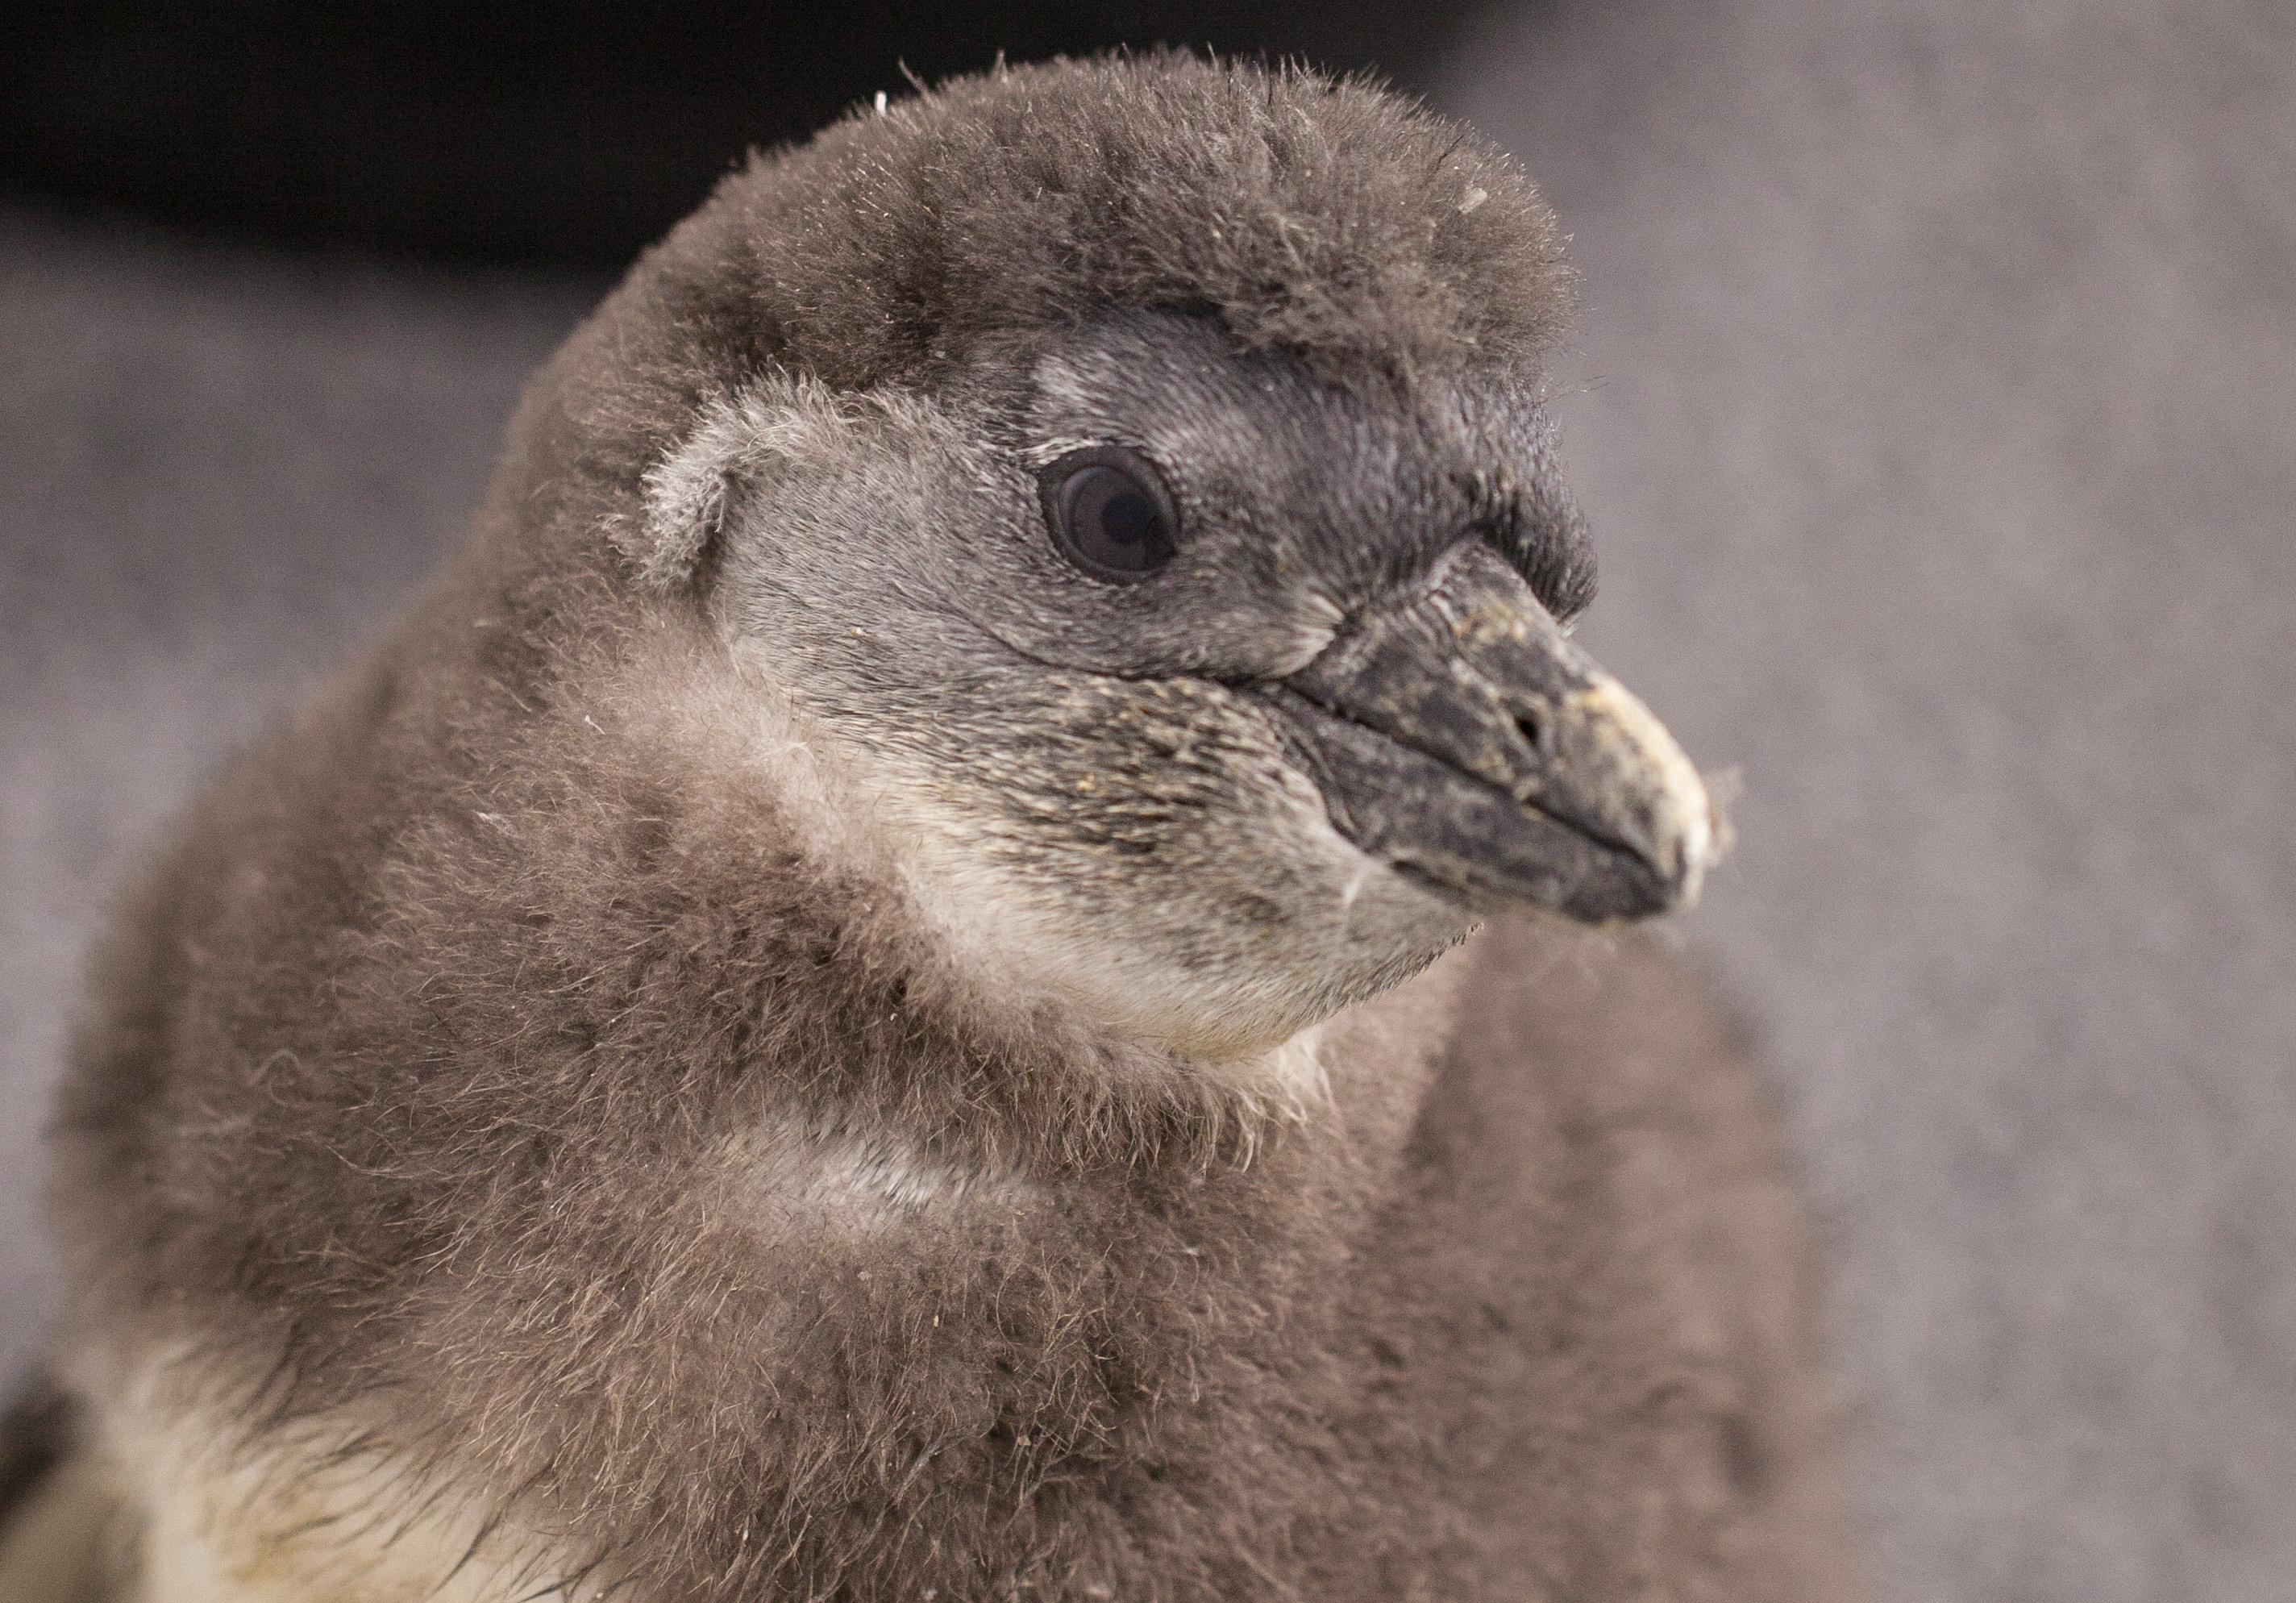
column 1110, row 522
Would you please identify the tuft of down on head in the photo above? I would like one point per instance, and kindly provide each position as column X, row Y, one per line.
column 1327, row 218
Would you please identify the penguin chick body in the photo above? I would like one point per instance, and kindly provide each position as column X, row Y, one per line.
column 854, row 1004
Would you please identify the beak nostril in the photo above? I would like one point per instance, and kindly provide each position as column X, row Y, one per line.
column 1532, row 730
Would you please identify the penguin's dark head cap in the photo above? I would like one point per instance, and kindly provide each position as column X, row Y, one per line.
column 1126, row 483
column 1325, row 217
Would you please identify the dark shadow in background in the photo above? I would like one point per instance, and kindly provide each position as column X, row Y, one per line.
column 565, row 136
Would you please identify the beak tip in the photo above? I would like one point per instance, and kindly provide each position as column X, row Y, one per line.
column 1660, row 801
column 1698, row 850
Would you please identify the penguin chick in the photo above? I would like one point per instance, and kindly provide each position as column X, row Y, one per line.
column 850, row 1006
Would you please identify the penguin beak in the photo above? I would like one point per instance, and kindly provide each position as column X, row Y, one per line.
column 1461, row 738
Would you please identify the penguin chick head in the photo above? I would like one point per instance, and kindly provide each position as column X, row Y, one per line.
column 1128, row 480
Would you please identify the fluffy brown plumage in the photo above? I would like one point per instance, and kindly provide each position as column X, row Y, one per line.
column 608, row 1099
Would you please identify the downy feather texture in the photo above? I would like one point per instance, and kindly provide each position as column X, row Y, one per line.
column 594, row 1106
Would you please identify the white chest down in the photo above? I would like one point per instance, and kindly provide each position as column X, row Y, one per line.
column 298, row 1524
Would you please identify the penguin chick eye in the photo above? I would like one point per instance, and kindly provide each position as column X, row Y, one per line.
column 1109, row 514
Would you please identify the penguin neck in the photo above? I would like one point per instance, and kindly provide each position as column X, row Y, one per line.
column 918, row 1037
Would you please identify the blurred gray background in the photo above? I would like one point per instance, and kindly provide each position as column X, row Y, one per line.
column 1935, row 401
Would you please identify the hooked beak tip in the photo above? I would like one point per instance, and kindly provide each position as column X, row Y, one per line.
column 1663, row 810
